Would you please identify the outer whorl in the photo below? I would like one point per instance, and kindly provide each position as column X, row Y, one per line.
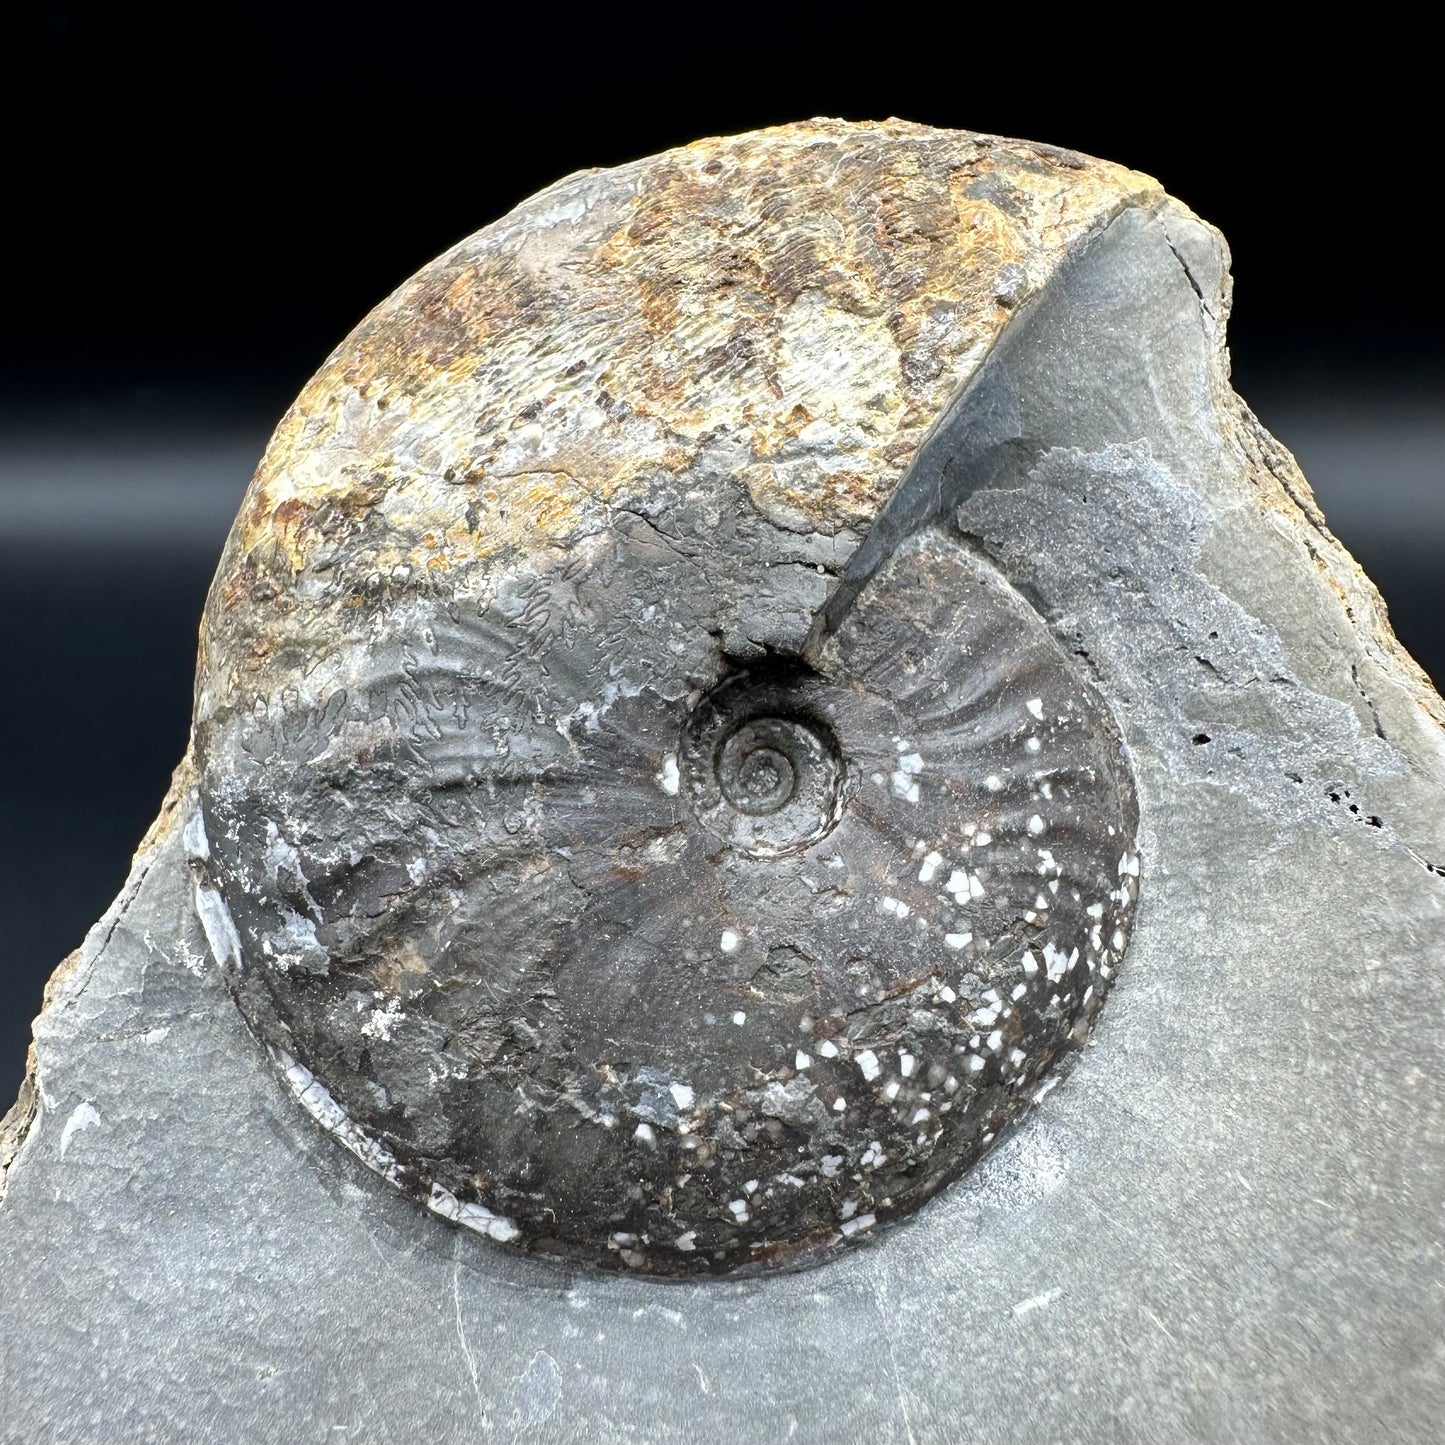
column 636, row 819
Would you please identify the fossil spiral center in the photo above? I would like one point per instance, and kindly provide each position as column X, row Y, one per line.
column 765, row 782
column 754, row 769
column 762, row 776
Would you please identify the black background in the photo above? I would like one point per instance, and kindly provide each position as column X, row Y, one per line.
column 202, row 202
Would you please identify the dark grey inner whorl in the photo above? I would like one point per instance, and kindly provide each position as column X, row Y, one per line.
column 641, row 958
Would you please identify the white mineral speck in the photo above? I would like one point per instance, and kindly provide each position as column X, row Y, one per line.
column 216, row 924
column 729, row 940
column 644, row 1134
column 801, row 1060
column 958, row 940
column 904, row 787
column 993, row 783
column 906, row 1064
column 193, row 838
column 931, row 865
column 1036, row 706
column 682, row 1095
column 1036, row 825
column 383, row 1020
column 669, row 779
column 868, row 1062
column 740, row 1018
column 1036, row 1302
column 84, row 1116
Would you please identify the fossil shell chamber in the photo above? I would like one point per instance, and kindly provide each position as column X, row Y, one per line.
column 635, row 818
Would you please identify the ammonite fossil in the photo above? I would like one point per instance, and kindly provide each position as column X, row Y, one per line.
column 637, row 819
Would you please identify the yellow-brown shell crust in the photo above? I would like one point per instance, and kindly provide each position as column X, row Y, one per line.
column 818, row 291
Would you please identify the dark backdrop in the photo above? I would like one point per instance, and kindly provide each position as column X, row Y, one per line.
column 202, row 201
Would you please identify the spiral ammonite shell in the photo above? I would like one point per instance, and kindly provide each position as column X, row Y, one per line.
column 636, row 819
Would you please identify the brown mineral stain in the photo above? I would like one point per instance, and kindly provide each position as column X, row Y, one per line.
column 401, row 970
column 835, row 277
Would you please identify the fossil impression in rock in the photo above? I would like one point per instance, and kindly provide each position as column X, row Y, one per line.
column 638, row 818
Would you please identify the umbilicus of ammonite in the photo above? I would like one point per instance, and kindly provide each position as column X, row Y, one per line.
column 637, row 820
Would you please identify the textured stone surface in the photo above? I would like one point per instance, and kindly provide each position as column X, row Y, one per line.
column 1225, row 1221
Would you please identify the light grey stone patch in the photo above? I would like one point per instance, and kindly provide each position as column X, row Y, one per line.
column 1244, row 719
